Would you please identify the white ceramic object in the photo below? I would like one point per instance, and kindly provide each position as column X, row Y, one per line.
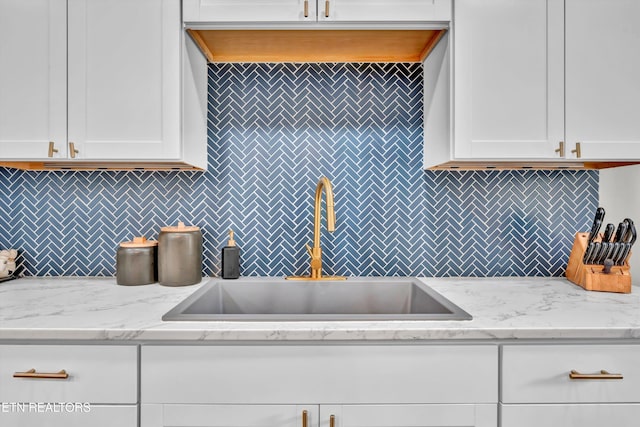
column 7, row 262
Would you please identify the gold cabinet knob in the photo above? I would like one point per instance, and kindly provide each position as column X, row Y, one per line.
column 52, row 148
column 72, row 150
column 560, row 149
column 577, row 151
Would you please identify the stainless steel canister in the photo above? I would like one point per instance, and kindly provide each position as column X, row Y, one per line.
column 180, row 255
column 137, row 262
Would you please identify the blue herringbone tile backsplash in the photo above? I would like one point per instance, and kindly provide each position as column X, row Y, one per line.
column 273, row 131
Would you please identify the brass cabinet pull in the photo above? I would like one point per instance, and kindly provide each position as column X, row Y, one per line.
column 31, row 373
column 560, row 149
column 52, row 148
column 72, row 150
column 305, row 418
column 332, row 421
column 577, row 151
column 326, row 9
column 603, row 375
column 306, row 8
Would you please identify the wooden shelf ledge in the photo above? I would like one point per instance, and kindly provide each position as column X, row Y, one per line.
column 316, row 45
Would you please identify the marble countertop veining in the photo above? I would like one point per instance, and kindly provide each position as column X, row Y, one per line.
column 502, row 308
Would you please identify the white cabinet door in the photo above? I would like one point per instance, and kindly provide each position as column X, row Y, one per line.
column 581, row 415
column 390, row 374
column 95, row 373
column 228, row 415
column 42, row 415
column 602, row 84
column 409, row 415
column 33, row 78
column 384, row 10
column 508, row 79
column 542, row 373
column 248, row 10
column 307, row 10
column 124, row 79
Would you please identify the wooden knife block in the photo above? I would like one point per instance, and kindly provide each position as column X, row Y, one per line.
column 590, row 276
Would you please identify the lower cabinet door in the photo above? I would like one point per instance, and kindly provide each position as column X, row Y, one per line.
column 458, row 415
column 67, row 415
column 575, row 415
column 165, row 415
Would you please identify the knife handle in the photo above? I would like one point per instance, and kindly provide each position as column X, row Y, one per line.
column 630, row 234
column 618, row 253
column 605, row 250
column 594, row 253
column 597, row 222
column 608, row 232
column 626, row 251
column 594, row 229
column 622, row 229
column 587, row 253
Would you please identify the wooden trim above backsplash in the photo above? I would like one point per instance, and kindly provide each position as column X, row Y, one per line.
column 294, row 45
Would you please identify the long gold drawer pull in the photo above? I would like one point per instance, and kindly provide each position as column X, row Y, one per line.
column 304, row 418
column 332, row 421
column 603, row 375
column 31, row 373
column 306, row 8
column 326, row 9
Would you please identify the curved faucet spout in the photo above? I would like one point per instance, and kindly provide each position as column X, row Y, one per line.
column 331, row 213
column 315, row 252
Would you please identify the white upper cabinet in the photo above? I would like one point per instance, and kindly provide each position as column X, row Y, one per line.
column 248, row 10
column 124, row 79
column 508, row 79
column 384, row 10
column 315, row 10
column 33, row 78
column 100, row 81
column 602, row 81
column 541, row 80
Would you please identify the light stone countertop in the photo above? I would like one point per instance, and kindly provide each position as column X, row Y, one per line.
column 502, row 308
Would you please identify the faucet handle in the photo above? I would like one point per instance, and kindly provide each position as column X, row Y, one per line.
column 309, row 250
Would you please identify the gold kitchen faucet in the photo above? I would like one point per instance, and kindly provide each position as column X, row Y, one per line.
column 316, row 252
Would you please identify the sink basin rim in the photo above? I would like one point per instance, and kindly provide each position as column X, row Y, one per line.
column 178, row 313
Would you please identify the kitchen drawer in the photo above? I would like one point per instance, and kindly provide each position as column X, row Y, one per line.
column 299, row 374
column 97, row 374
column 540, row 373
column 570, row 415
column 96, row 416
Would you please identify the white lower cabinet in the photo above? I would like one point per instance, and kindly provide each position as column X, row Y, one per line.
column 95, row 416
column 371, row 385
column 227, row 415
column 588, row 415
column 68, row 385
column 456, row 415
column 570, row 385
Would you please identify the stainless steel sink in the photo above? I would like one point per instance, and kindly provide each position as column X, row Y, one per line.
column 268, row 299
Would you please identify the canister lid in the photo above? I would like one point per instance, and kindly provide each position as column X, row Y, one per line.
column 139, row 242
column 180, row 228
